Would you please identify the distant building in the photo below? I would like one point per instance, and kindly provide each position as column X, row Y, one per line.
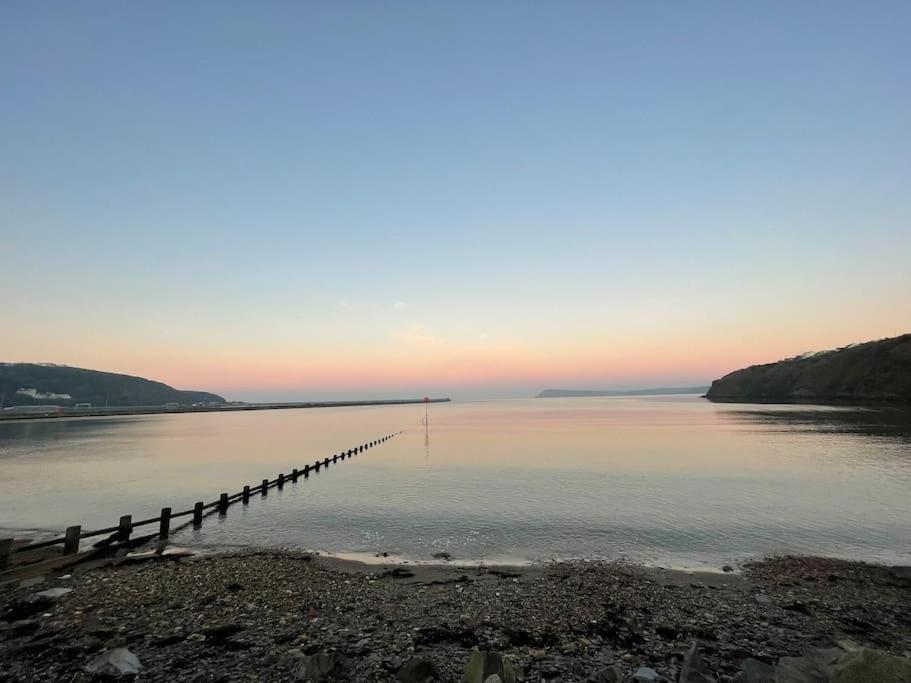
column 83, row 405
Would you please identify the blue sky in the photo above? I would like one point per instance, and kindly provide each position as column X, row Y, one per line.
column 320, row 199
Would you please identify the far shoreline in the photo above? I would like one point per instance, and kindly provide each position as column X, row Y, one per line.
column 162, row 410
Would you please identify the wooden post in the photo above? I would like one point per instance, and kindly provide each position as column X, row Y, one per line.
column 125, row 528
column 265, row 487
column 197, row 514
column 326, row 462
column 164, row 525
column 350, row 453
column 246, row 494
column 306, row 471
column 71, row 543
column 316, row 465
column 294, row 476
column 6, row 552
column 335, row 458
column 223, row 504
column 281, row 481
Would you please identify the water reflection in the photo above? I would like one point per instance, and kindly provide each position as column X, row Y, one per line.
column 886, row 422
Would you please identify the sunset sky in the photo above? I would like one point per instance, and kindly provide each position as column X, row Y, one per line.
column 310, row 200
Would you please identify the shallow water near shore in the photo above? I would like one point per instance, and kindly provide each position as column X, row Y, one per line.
column 671, row 481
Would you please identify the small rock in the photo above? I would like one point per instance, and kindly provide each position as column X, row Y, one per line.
column 117, row 662
column 612, row 674
column 493, row 678
column 727, row 569
column 645, row 674
column 443, row 555
column 221, row 632
column 762, row 599
column 196, row 637
column 483, row 665
column 418, row 670
column 53, row 593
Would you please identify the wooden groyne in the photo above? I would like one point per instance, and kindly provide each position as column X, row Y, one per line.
column 120, row 534
column 58, row 411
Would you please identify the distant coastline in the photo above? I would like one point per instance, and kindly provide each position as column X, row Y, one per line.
column 59, row 412
column 582, row 393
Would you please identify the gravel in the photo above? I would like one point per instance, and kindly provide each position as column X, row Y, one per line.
column 259, row 615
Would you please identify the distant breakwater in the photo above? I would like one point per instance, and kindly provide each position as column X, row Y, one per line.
column 55, row 412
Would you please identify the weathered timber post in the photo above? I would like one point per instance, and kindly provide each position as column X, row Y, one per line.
column 71, row 543
column 294, row 476
column 281, row 481
column 246, row 494
column 125, row 528
column 223, row 504
column 335, row 458
column 306, row 471
column 350, row 453
column 6, row 551
column 326, row 462
column 197, row 514
column 265, row 487
column 164, row 524
column 316, row 465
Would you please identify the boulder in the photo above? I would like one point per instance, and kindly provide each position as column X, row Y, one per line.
column 645, row 674
column 694, row 668
column 315, row 668
column 864, row 665
column 483, row 665
column 117, row 662
column 493, row 678
column 418, row 670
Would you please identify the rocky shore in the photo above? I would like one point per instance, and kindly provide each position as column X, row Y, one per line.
column 289, row 616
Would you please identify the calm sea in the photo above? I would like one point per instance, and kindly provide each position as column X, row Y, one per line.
column 677, row 481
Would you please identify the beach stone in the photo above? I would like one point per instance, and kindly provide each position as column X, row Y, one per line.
column 53, row 593
column 418, row 670
column 865, row 664
column 493, row 679
column 482, row 665
column 315, row 668
column 694, row 668
column 645, row 674
column 117, row 662
column 612, row 674
column 755, row 671
column 221, row 632
column 763, row 599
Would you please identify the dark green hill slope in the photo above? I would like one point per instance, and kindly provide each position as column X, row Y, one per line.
column 40, row 384
column 873, row 371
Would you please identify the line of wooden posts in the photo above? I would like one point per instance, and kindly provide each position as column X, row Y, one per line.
column 121, row 532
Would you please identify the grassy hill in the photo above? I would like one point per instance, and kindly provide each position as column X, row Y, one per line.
column 45, row 384
column 873, row 371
